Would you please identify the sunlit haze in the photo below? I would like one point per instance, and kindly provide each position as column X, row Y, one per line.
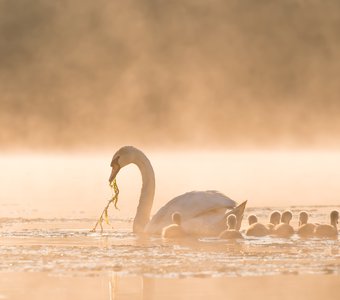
column 169, row 74
column 77, row 184
column 235, row 103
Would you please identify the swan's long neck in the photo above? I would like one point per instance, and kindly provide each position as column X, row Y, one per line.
column 147, row 193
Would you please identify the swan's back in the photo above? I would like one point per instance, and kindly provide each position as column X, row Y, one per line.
column 306, row 230
column 230, row 235
column 193, row 207
column 325, row 230
column 173, row 231
column 257, row 229
column 283, row 230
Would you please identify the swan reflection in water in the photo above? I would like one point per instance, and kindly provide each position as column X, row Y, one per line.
column 143, row 289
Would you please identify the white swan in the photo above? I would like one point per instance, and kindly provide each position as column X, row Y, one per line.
column 275, row 218
column 328, row 230
column 202, row 213
column 175, row 229
column 255, row 228
column 231, row 233
column 284, row 229
column 305, row 229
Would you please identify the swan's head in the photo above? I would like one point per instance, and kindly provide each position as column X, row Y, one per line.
column 275, row 217
column 335, row 217
column 176, row 218
column 252, row 219
column 124, row 156
column 303, row 218
column 286, row 216
column 231, row 221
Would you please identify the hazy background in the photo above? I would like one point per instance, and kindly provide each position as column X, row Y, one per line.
column 185, row 73
column 241, row 96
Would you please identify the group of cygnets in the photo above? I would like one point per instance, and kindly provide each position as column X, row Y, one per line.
column 278, row 226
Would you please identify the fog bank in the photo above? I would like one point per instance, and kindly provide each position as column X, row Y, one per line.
column 169, row 73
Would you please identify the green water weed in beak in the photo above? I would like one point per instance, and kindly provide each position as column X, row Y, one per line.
column 105, row 215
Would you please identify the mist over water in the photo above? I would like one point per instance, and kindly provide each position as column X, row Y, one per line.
column 76, row 185
column 169, row 74
column 164, row 76
column 239, row 96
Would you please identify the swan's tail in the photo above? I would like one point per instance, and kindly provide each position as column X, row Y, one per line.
column 238, row 211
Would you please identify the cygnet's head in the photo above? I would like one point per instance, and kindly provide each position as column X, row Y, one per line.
column 335, row 217
column 176, row 218
column 303, row 218
column 231, row 221
column 275, row 217
column 252, row 219
column 286, row 216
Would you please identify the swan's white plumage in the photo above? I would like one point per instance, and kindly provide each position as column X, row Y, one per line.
column 201, row 211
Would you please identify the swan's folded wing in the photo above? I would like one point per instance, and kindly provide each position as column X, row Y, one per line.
column 208, row 205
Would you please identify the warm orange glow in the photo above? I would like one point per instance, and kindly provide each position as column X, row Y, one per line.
column 69, row 185
column 238, row 96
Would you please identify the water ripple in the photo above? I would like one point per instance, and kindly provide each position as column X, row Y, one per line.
column 45, row 245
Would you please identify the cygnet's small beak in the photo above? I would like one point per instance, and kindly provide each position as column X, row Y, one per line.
column 114, row 172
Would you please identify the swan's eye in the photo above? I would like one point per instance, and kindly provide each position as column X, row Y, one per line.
column 115, row 162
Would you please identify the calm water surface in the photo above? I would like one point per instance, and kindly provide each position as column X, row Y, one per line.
column 66, row 246
column 49, row 203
